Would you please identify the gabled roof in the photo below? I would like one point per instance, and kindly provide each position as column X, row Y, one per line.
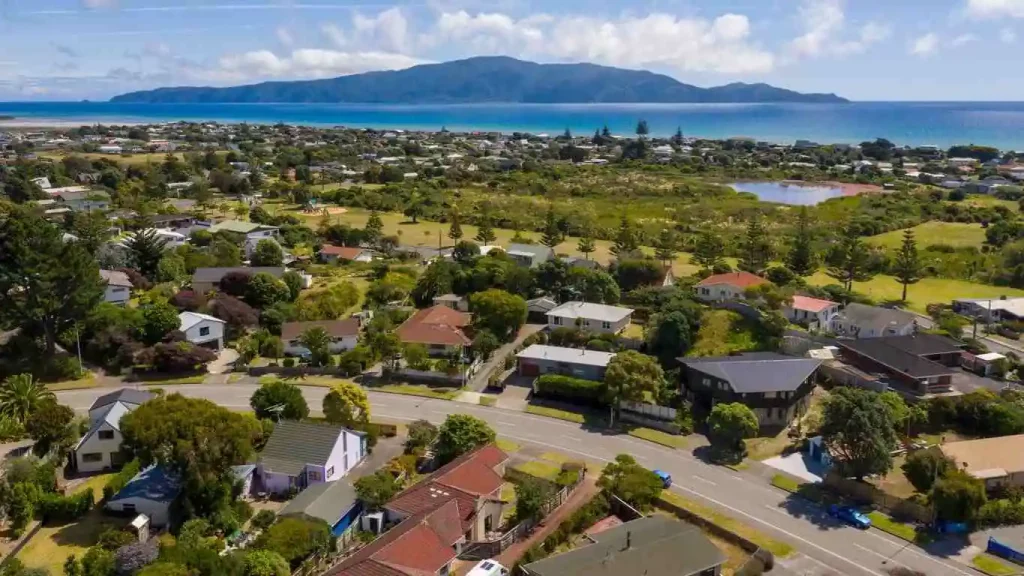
column 531, row 250
column 126, row 395
column 343, row 252
column 190, row 319
column 334, row 328
column 756, row 372
column 811, row 304
column 865, row 316
column 580, row 356
column 116, row 278
column 436, row 325
column 739, row 279
column 295, row 444
column 328, row 501
column 418, row 546
column 591, row 311
column 239, row 226
column 155, row 483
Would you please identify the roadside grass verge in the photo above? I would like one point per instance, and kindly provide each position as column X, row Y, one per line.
column 556, row 413
column 506, row 445
column 556, row 457
column 658, row 437
column 786, row 483
column 779, row 549
column 993, row 566
column 901, row 530
column 488, row 400
column 87, row 381
column 540, row 469
column 195, row 379
column 415, row 390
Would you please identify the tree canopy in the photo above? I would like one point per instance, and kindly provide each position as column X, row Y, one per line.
column 461, row 433
column 858, row 431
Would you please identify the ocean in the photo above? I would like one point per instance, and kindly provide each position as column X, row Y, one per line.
column 999, row 124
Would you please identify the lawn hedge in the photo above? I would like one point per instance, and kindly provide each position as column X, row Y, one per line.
column 569, row 389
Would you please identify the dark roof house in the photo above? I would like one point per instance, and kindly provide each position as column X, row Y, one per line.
column 923, row 362
column 755, row 372
column 125, row 395
column 295, row 444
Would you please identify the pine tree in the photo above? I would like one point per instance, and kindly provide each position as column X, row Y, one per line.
column 665, row 249
column 848, row 260
column 678, row 138
column 567, row 135
column 374, row 228
column 907, row 264
column 484, row 233
column 801, row 258
column 455, row 229
column 642, row 129
column 552, row 234
column 586, row 245
column 709, row 249
column 606, row 132
column 597, row 138
column 627, row 240
column 756, row 249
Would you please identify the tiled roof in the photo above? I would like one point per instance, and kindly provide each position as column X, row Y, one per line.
column 294, row 444
column 740, row 279
column 116, row 278
column 436, row 325
column 334, row 328
column 811, row 304
column 343, row 252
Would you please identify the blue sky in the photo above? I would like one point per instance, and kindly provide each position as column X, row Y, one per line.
column 861, row 49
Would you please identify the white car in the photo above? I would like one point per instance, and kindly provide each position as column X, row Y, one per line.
column 488, row 568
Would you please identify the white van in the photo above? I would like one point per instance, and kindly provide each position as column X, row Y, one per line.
column 488, row 568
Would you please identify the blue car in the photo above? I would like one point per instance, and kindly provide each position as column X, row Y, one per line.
column 850, row 515
column 666, row 478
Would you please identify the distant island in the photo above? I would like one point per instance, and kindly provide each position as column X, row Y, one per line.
column 6, row 117
column 486, row 79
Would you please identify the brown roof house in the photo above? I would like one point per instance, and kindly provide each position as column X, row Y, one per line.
column 725, row 287
column 331, row 253
column 439, row 328
column 996, row 461
column 344, row 335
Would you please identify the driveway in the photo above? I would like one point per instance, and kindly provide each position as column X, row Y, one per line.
column 225, row 361
column 479, row 380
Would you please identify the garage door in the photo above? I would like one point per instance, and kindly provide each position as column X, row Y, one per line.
column 528, row 369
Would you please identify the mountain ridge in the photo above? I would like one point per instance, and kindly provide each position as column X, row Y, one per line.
column 483, row 79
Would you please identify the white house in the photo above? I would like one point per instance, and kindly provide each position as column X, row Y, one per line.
column 344, row 335
column 813, row 312
column 300, row 454
column 119, row 287
column 590, row 317
column 862, row 321
column 726, row 287
column 151, row 492
column 110, row 149
column 100, row 448
column 203, row 329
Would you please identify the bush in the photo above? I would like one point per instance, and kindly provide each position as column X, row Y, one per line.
column 119, row 480
column 295, row 539
column 112, row 539
column 242, row 509
column 569, row 389
column 289, row 362
column 133, row 557
column 54, row 507
column 263, row 519
column 1001, row 512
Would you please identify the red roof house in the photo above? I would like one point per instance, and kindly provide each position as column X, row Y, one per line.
column 730, row 286
column 439, row 328
column 331, row 253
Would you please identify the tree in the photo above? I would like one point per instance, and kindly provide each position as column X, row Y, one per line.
column 636, row 485
column 455, row 229
column 374, row 229
column 267, row 253
column 296, row 539
column 318, row 342
column 420, row 434
column 145, row 249
column 627, row 239
column 279, row 399
column 171, row 268
column 264, row 291
column 225, row 253
column 347, row 404
column 414, row 208
column 459, row 434
column 236, row 283
column 632, row 376
column 465, row 252
column 801, row 256
column 906, row 266
column 858, row 431
column 50, row 427
column 552, row 235
column 98, row 562
column 642, row 129
column 46, row 285
column 666, row 246
column 633, row 273
column 673, row 329
column 958, row 496
column 131, row 558
column 21, row 395
column 484, row 344
column 848, row 260
column 498, row 312
column 586, row 245
column 756, row 249
column 293, row 280
column 923, row 467
column 531, row 496
column 709, row 250
column 266, row 563
column 236, row 313
column 729, row 425
column 677, row 138
column 484, row 232
column 375, row 490
column 159, row 319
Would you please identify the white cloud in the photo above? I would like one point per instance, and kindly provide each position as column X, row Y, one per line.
column 388, row 30
column 963, row 39
column 335, row 35
column 306, row 63
column 284, row 36
column 995, row 8
column 824, row 24
column 1007, row 36
column 94, row 4
column 925, row 45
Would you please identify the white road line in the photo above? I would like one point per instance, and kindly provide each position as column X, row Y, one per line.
column 735, row 477
column 572, row 439
column 908, row 547
column 778, row 529
column 509, row 424
column 705, row 480
column 538, row 442
column 882, row 556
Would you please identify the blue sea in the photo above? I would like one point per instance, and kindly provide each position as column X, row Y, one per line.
column 999, row 124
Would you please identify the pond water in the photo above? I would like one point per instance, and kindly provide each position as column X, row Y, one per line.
column 785, row 193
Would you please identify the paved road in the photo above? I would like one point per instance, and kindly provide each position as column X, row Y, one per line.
column 828, row 547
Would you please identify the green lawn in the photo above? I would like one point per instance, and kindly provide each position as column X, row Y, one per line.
column 556, row 457
column 87, row 381
column 488, row 400
column 779, row 549
column 786, row 483
column 418, row 390
column 994, row 566
column 927, row 291
column 723, row 332
column 902, row 530
column 956, row 234
column 659, row 437
column 195, row 379
column 556, row 413
column 540, row 469
column 507, row 445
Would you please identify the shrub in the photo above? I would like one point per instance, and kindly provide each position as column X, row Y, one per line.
column 54, row 507
column 133, row 557
column 289, row 362
column 263, row 519
column 242, row 509
column 295, row 539
column 576, row 390
column 112, row 539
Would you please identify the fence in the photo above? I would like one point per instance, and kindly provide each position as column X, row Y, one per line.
column 649, row 410
column 997, row 548
column 892, row 504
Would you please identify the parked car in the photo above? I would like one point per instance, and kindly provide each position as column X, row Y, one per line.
column 850, row 515
column 488, row 568
column 666, row 478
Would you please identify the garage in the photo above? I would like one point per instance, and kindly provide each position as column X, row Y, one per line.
column 528, row 369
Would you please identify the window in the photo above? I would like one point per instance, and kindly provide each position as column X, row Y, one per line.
column 556, row 320
column 330, row 471
column 313, row 475
column 106, row 434
column 204, row 331
column 92, row 457
column 606, row 325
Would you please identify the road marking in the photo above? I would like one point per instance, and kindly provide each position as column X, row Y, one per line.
column 705, row 480
column 509, row 424
column 532, row 441
column 778, row 529
column 882, row 556
column 735, row 477
column 572, row 439
column 908, row 547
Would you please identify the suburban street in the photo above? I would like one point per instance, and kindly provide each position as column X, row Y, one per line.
column 825, row 546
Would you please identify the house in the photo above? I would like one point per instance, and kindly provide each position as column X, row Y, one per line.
column 990, row 310
column 863, row 321
column 812, row 312
column 172, row 221
column 208, row 279
column 82, row 201
column 538, row 308
column 150, row 492
column 203, row 329
column 249, row 229
column 333, row 502
column 100, row 447
column 302, row 454
column 985, row 364
column 425, row 543
column 251, row 242
column 777, row 388
column 922, row 363
column 330, row 253
column 538, row 359
column 344, row 335
column 119, row 287
column 725, row 287
column 453, row 301
column 473, row 481
column 641, row 547
column 439, row 328
column 996, row 461
column 591, row 317
column 530, row 255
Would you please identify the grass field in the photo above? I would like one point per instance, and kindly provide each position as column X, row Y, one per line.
column 956, row 234
column 556, row 413
column 659, row 437
column 507, row 445
column 994, row 566
column 927, row 291
column 87, row 381
column 123, row 159
column 786, row 483
column 540, row 469
column 723, row 332
column 904, row 531
column 417, row 390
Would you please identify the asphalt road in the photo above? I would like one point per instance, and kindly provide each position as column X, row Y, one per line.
column 828, row 547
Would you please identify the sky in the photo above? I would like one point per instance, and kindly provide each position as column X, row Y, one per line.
column 861, row 49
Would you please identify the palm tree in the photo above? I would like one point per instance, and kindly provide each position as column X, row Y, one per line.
column 20, row 395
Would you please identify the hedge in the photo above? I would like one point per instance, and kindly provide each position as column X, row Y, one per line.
column 569, row 389
column 119, row 480
column 53, row 506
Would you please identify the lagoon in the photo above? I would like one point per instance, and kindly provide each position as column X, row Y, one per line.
column 789, row 193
